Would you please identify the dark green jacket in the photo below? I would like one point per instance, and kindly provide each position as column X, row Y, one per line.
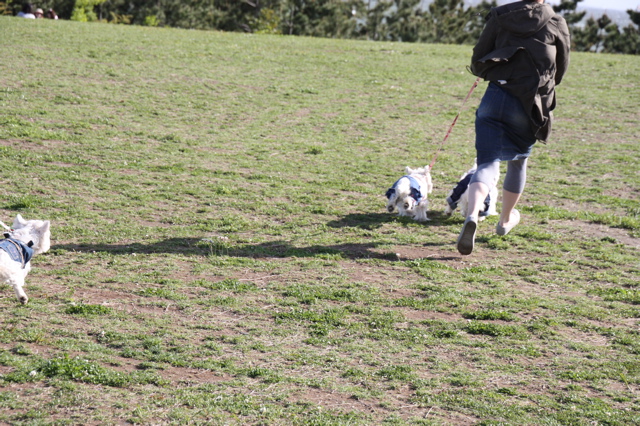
column 527, row 45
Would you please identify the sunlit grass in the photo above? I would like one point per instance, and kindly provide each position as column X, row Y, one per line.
column 221, row 252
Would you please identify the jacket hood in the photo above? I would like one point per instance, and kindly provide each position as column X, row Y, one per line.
column 523, row 18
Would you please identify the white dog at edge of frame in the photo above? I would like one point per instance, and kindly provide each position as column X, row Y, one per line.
column 409, row 194
column 27, row 238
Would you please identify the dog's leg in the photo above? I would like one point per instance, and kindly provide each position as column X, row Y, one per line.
column 391, row 202
column 421, row 212
column 404, row 212
column 17, row 281
column 448, row 210
column 463, row 203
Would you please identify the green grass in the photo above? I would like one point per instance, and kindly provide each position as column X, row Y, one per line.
column 221, row 253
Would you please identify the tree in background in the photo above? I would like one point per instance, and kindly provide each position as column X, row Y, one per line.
column 567, row 8
column 581, row 38
column 320, row 18
column 84, row 10
column 629, row 42
column 267, row 21
column 611, row 40
column 407, row 21
column 634, row 16
column 602, row 34
column 375, row 26
column 447, row 21
column 632, row 33
column 478, row 17
column 193, row 14
column 443, row 21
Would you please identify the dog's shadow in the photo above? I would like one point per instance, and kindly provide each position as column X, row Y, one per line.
column 373, row 221
column 369, row 221
column 217, row 246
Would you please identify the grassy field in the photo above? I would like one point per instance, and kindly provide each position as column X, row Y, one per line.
column 221, row 253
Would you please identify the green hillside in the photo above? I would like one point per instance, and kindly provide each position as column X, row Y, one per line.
column 221, row 252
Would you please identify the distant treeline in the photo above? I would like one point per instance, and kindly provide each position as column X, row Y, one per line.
column 442, row 21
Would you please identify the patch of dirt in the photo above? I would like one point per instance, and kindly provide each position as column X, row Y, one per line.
column 594, row 231
column 386, row 278
column 625, row 193
column 421, row 315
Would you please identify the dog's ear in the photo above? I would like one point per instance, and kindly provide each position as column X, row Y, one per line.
column 45, row 226
column 390, row 193
column 30, row 244
column 19, row 221
column 7, row 235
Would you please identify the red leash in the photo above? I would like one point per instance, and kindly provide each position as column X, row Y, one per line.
column 473, row 87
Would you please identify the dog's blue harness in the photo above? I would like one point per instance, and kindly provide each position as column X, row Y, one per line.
column 460, row 189
column 414, row 185
column 17, row 250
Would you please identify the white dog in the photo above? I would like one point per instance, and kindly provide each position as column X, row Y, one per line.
column 459, row 197
column 409, row 193
column 26, row 239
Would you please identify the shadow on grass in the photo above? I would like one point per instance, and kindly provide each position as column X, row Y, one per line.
column 279, row 249
column 372, row 221
column 215, row 247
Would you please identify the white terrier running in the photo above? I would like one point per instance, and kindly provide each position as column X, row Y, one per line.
column 26, row 239
column 409, row 193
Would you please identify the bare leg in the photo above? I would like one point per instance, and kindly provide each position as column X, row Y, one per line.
column 509, row 201
column 466, row 240
column 478, row 192
column 514, row 183
column 479, row 188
